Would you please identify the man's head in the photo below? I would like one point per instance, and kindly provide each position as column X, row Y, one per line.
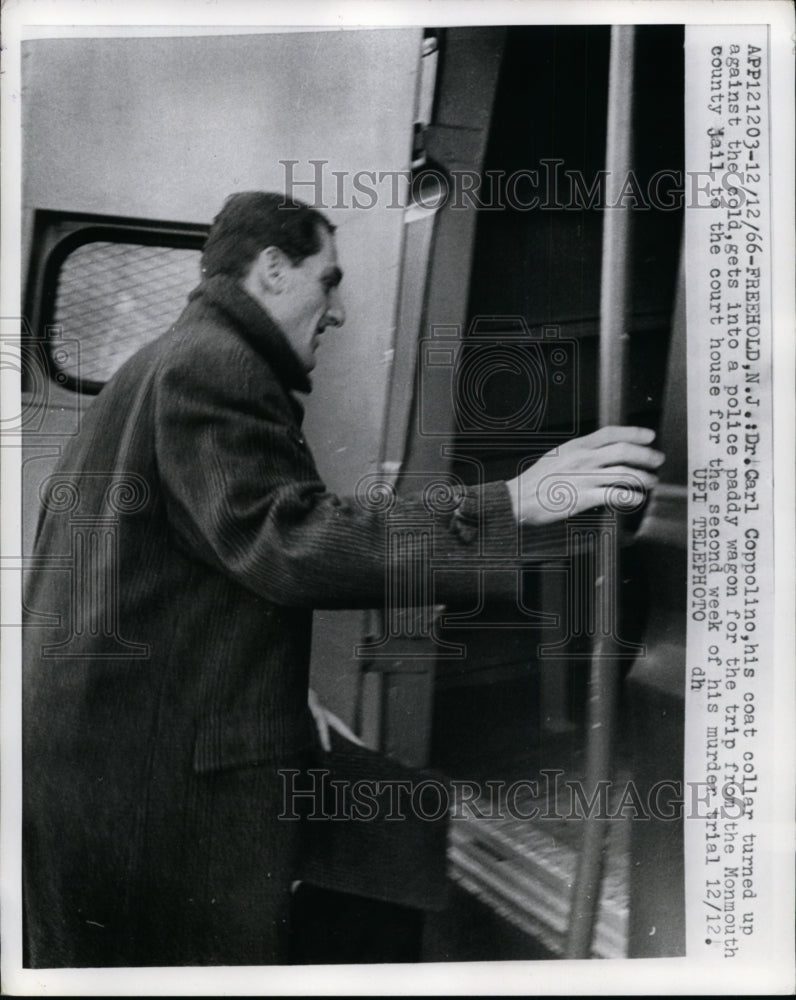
column 283, row 253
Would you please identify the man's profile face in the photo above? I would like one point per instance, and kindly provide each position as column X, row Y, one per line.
column 310, row 300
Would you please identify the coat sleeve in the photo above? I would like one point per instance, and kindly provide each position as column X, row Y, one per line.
column 243, row 495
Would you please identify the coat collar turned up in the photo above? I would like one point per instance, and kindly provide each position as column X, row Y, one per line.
column 257, row 327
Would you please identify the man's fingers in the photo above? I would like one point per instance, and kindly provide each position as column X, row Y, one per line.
column 586, row 472
column 612, row 434
column 624, row 475
column 630, row 500
column 598, row 497
column 626, row 453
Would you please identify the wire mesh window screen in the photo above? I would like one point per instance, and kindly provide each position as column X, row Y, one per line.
column 113, row 298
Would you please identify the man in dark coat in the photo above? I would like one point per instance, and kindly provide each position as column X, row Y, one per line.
column 185, row 539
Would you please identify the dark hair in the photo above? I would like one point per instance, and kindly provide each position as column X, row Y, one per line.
column 250, row 221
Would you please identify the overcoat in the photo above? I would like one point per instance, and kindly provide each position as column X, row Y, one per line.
column 184, row 540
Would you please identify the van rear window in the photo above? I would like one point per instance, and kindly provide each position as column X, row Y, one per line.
column 112, row 298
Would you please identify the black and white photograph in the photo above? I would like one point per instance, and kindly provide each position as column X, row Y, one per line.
column 397, row 465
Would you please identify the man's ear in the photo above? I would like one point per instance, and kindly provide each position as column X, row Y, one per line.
column 271, row 266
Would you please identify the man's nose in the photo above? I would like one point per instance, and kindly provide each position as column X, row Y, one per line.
column 335, row 313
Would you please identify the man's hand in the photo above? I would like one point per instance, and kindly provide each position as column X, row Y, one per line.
column 326, row 720
column 577, row 475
